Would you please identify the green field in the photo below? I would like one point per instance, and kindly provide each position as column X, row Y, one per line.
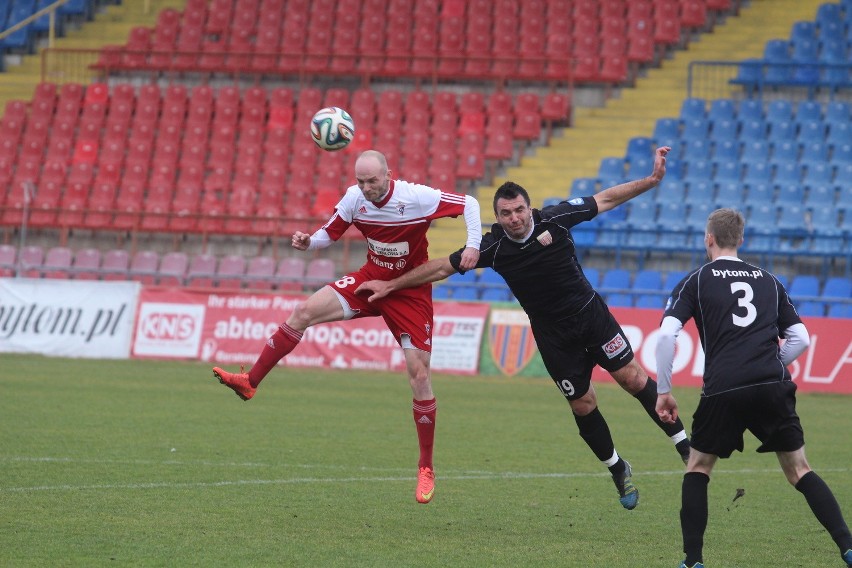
column 137, row 463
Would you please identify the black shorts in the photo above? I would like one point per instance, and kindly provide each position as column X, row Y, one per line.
column 571, row 347
column 767, row 411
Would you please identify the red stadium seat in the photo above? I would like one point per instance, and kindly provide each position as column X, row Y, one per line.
column 87, row 264
column 115, row 265
column 57, row 262
column 230, row 272
column 201, row 271
column 290, row 273
column 172, row 269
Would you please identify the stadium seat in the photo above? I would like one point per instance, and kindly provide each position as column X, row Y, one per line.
column 57, row 262
column 201, row 271
column 143, row 266
column 115, row 265
column 289, row 273
column 318, row 272
column 172, row 269
column 87, row 264
column 804, row 285
column 260, row 273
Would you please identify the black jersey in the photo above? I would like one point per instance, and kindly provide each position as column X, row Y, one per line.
column 740, row 311
column 542, row 272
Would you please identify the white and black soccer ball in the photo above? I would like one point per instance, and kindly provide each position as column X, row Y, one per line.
column 332, row 128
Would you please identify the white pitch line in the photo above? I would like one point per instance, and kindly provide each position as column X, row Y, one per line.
column 299, row 480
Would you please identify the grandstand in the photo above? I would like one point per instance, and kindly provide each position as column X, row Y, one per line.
column 173, row 141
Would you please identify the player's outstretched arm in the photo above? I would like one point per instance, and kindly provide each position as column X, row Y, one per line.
column 434, row 270
column 616, row 195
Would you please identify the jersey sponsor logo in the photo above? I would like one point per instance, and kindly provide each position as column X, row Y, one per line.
column 614, row 346
column 545, row 238
column 394, row 250
column 398, row 265
column 576, row 201
column 736, row 273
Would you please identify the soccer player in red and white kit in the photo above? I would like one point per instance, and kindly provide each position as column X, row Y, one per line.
column 394, row 216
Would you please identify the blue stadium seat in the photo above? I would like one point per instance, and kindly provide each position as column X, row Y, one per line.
column 696, row 149
column 639, row 147
column 816, row 151
column 812, row 131
column 836, row 310
column 808, row 109
column 692, row 108
column 593, row 276
column 821, row 196
column 759, row 193
column 730, row 194
column 496, row 295
column 750, row 109
column 672, row 279
column 696, row 217
column 753, row 129
column 699, row 170
column 841, row 155
column 695, row 128
column 779, row 110
column 788, row 173
column 781, row 130
column 441, row 292
column 792, row 218
column 611, row 168
column 722, row 109
column 755, row 151
column 700, row 191
column 803, row 29
column 817, row 173
column 804, row 285
column 811, row 309
column 619, row 300
column 648, row 280
column 824, row 220
column 642, row 213
column 616, row 279
column 790, row 194
column 583, row 186
column 757, row 173
column 763, row 215
column 550, row 201
column 640, row 167
column 837, row 112
column 651, row 301
column 465, row 294
column 666, row 129
column 670, row 190
column 785, row 150
column 728, row 171
column 839, row 133
column 726, row 151
column 724, row 129
column 837, row 287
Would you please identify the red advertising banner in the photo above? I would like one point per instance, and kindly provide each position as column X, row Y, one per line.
column 825, row 367
column 231, row 328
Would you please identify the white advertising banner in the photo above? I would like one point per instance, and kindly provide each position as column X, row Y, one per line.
column 67, row 318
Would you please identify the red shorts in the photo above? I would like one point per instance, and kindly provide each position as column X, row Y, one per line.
column 406, row 312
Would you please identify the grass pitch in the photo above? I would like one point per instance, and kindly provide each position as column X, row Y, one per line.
column 144, row 463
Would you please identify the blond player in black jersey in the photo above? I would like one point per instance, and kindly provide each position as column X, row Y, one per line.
column 573, row 328
column 741, row 311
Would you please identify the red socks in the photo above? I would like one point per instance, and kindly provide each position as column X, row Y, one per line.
column 424, row 419
column 280, row 344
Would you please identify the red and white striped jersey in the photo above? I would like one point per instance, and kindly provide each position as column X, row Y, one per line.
column 396, row 227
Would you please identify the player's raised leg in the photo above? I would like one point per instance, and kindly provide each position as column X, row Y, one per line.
column 633, row 378
column 322, row 306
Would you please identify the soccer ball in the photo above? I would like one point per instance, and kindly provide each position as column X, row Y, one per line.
column 332, row 128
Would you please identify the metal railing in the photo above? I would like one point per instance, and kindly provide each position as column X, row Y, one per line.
column 50, row 11
column 756, row 78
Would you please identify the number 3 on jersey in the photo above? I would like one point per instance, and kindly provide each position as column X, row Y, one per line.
column 744, row 302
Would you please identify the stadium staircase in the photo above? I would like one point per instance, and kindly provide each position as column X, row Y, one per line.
column 111, row 26
column 598, row 132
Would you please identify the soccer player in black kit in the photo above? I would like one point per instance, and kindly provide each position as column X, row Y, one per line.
column 740, row 311
column 573, row 328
